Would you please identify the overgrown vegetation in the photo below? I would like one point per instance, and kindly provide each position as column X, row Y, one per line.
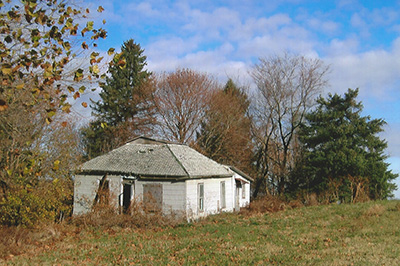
column 292, row 145
column 43, row 55
column 345, row 234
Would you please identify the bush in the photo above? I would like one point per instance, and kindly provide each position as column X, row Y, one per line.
column 139, row 215
column 267, row 204
column 27, row 206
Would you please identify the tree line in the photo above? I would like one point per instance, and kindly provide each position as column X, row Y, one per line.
column 282, row 132
column 293, row 141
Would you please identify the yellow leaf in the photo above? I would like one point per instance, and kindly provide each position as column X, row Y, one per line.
column 56, row 164
column 20, row 86
column 6, row 70
column 66, row 108
column 111, row 51
column 96, row 69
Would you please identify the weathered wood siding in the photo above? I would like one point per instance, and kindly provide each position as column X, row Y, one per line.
column 115, row 190
column 212, row 197
column 86, row 187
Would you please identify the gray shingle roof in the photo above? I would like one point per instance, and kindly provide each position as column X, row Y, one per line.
column 150, row 160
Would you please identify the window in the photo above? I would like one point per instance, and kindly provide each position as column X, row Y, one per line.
column 153, row 197
column 244, row 191
column 200, row 194
column 223, row 200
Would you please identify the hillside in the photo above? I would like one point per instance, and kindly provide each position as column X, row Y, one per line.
column 359, row 234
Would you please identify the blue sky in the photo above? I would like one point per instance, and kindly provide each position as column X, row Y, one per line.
column 360, row 40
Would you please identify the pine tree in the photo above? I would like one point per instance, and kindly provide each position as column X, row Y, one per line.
column 343, row 155
column 126, row 108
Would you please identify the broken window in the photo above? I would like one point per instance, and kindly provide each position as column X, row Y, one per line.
column 103, row 193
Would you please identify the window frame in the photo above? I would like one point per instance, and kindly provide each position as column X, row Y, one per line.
column 200, row 197
column 223, row 194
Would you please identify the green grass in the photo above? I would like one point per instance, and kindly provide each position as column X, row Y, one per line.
column 358, row 234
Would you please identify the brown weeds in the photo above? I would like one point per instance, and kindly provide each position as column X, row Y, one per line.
column 138, row 215
column 375, row 210
column 269, row 204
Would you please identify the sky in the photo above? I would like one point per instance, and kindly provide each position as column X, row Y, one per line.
column 358, row 39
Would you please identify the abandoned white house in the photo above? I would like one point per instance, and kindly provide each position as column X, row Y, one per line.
column 175, row 177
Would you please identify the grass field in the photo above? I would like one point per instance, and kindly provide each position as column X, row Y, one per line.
column 357, row 234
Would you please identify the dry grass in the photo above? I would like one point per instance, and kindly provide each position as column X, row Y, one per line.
column 375, row 210
column 19, row 240
column 345, row 234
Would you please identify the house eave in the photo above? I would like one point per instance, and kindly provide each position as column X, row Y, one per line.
column 150, row 177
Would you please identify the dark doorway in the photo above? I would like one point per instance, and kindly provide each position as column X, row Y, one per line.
column 127, row 197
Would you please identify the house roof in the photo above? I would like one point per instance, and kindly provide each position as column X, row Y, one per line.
column 239, row 172
column 161, row 160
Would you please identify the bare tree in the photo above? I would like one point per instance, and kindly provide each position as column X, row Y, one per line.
column 225, row 135
column 286, row 88
column 181, row 99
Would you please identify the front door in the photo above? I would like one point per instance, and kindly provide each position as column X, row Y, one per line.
column 127, row 197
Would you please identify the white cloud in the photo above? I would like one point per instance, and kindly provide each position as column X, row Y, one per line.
column 327, row 27
column 391, row 134
column 375, row 72
column 259, row 26
column 358, row 22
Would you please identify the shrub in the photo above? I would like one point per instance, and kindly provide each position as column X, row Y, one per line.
column 27, row 206
column 139, row 215
column 265, row 204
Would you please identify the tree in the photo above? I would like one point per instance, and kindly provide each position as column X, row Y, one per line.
column 181, row 101
column 344, row 155
column 41, row 45
column 225, row 134
column 286, row 88
column 126, row 108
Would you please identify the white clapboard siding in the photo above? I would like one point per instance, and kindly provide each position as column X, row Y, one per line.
column 212, row 197
column 173, row 194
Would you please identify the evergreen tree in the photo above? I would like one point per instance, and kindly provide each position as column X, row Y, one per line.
column 343, row 154
column 225, row 132
column 126, row 108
